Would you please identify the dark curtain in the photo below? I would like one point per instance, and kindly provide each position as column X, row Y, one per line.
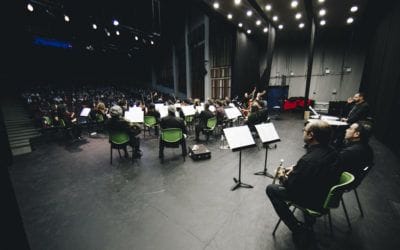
column 381, row 78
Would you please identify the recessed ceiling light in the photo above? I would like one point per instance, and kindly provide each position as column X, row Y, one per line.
column 229, row 16
column 268, row 7
column 258, row 23
column 249, row 13
column 136, row 38
column 322, row 22
column 265, row 30
column 117, row 33
column 301, row 25
column 248, row 31
column 294, row 4
column 29, row 7
column 350, row 20
column 275, row 18
column 66, row 18
column 321, row 1
column 298, row 15
column 240, row 25
column 216, row 5
column 237, row 2
column 354, row 8
column 280, row 26
column 322, row 12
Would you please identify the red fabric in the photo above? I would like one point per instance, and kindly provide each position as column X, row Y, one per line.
column 298, row 103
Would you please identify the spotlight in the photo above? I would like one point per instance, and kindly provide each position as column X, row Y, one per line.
column 301, row 25
column 136, row 38
column 354, row 9
column 280, row 26
column 249, row 13
column 294, row 4
column 248, row 31
column 216, row 5
column 29, row 7
column 298, row 16
column 237, row 2
column 94, row 26
column 117, row 33
column 268, row 7
column 152, row 43
column 350, row 20
column 258, row 22
column 275, row 18
column 322, row 12
column 265, row 30
column 322, row 22
column 115, row 22
column 230, row 16
column 240, row 25
column 66, row 18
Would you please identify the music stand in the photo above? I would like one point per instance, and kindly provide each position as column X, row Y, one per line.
column 268, row 135
column 239, row 138
column 135, row 116
column 232, row 113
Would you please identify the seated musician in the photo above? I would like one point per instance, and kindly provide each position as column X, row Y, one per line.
column 71, row 122
column 220, row 112
column 117, row 123
column 253, row 118
column 151, row 111
column 203, row 118
column 359, row 111
column 171, row 121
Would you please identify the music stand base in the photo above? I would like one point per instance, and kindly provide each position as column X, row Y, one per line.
column 265, row 173
column 239, row 184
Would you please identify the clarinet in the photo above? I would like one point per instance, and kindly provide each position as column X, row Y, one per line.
column 277, row 171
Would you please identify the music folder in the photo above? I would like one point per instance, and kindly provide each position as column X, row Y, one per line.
column 239, row 137
column 267, row 132
column 135, row 115
column 188, row 110
column 232, row 113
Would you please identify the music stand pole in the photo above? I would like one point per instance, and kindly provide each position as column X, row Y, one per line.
column 265, row 171
column 238, row 183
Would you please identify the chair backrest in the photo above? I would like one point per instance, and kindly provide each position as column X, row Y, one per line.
column 189, row 118
column 118, row 137
column 62, row 123
column 99, row 117
column 149, row 120
column 47, row 120
column 361, row 176
column 336, row 192
column 171, row 135
column 211, row 123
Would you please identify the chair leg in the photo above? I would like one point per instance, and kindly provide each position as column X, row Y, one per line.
column 359, row 204
column 111, row 155
column 119, row 152
column 279, row 222
column 345, row 213
column 330, row 222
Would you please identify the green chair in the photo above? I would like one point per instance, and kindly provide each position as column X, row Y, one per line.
column 356, row 183
column 148, row 122
column 118, row 140
column 333, row 199
column 172, row 138
column 211, row 123
column 189, row 120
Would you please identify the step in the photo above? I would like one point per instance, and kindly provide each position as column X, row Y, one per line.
column 21, row 130
column 26, row 135
column 21, row 150
column 21, row 137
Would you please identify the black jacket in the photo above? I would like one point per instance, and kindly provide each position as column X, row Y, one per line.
column 354, row 157
column 204, row 116
column 313, row 176
column 173, row 122
column 358, row 112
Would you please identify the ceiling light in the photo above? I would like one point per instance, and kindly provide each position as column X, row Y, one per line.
column 94, row 26
column 350, row 20
column 151, row 42
column 240, row 25
column 268, row 7
column 29, row 7
column 258, row 22
column 117, row 33
column 321, row 1
column 136, row 38
column 275, row 18
column 248, row 31
column 115, row 22
column 237, row 2
column 322, row 22
column 322, row 12
column 265, row 30
column 354, row 8
column 108, row 33
column 249, row 13
column 301, row 25
column 216, row 5
column 66, row 18
column 294, row 4
column 298, row 15
column 280, row 26
column 230, row 16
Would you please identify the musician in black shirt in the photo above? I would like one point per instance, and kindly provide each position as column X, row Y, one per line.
column 203, row 118
column 171, row 121
column 360, row 110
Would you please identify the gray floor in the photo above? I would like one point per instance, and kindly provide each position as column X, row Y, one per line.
column 72, row 198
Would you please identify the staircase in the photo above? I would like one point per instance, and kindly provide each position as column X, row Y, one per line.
column 19, row 126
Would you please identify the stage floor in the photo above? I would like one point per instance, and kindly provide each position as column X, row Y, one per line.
column 70, row 197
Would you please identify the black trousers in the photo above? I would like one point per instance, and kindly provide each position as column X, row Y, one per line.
column 173, row 145
column 279, row 197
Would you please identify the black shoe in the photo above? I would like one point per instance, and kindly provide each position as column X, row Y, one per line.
column 303, row 238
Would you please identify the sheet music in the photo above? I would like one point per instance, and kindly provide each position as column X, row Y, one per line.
column 134, row 108
column 188, row 110
column 267, row 132
column 232, row 113
column 238, row 137
column 199, row 109
column 158, row 105
column 177, row 105
column 212, row 108
column 134, row 115
column 85, row 112
column 163, row 110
